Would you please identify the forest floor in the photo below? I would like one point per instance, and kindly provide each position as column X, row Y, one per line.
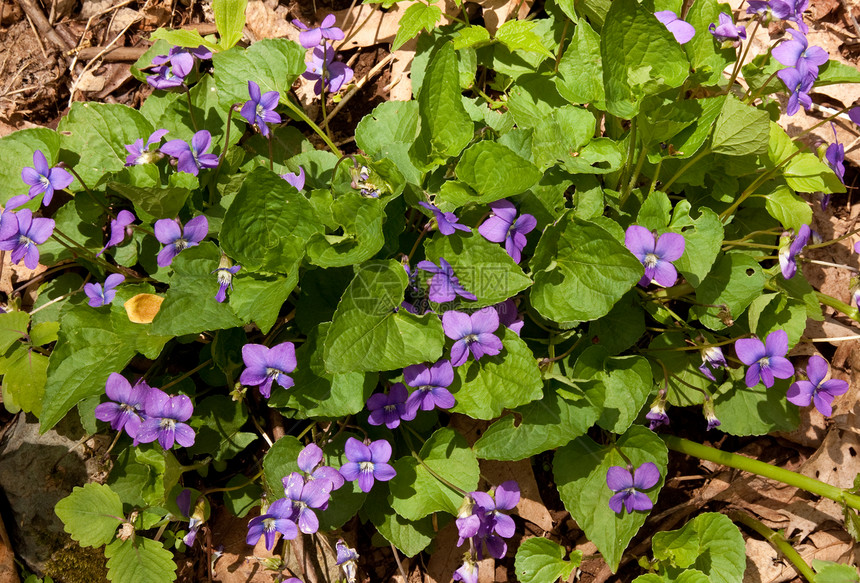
column 67, row 50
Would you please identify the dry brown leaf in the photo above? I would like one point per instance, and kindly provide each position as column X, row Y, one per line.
column 265, row 22
column 530, row 507
column 447, row 557
column 496, row 12
column 238, row 562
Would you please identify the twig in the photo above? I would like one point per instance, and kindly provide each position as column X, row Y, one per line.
column 38, row 38
column 370, row 75
column 111, row 55
column 35, row 13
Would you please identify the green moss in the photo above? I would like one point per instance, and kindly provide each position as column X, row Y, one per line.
column 76, row 564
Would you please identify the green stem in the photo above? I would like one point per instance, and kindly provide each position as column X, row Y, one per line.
column 685, row 167
column 822, row 122
column 631, row 151
column 778, row 541
column 675, row 291
column 431, row 471
column 740, row 62
column 90, row 192
column 191, row 109
column 656, row 176
column 77, row 249
column 271, row 154
column 303, row 116
column 749, row 96
column 832, row 302
column 752, row 187
column 561, row 44
column 187, row 374
column 832, row 241
column 251, row 480
column 632, row 182
column 753, row 466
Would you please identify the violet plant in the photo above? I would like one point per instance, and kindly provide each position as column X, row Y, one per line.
column 617, row 250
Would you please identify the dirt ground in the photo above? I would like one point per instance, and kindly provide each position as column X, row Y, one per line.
column 60, row 51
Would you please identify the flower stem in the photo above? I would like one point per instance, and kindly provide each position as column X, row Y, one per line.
column 430, row 470
column 839, row 305
column 271, row 154
column 724, row 216
column 759, row 468
column 187, row 374
column 90, row 192
column 685, row 167
column 740, row 62
column 777, row 540
column 832, row 241
column 632, row 182
column 303, row 116
column 190, row 109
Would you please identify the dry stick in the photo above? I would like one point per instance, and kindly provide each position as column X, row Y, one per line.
column 112, row 55
column 35, row 14
column 361, row 82
column 96, row 58
column 36, row 34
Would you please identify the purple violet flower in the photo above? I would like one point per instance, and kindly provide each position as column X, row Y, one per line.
column 103, row 296
column 164, row 420
column 347, row 560
column 657, row 415
column 277, row 519
column 797, row 53
column 195, row 516
column 791, row 10
column 710, row 414
column 175, row 238
column 504, row 226
column 759, row 7
column 468, row 571
column 509, row 316
column 767, row 360
column 42, row 179
column 310, row 461
column 816, row 390
column 628, row 487
column 835, row 156
column 265, row 365
column 312, row 37
column 322, row 63
column 446, row 222
column 164, row 78
column 139, row 154
column 192, row 159
column 20, row 233
column 125, row 410
column 430, row 384
column 473, row 334
column 226, row 270
column 389, row 408
column 444, row 285
column 854, row 115
column 480, row 517
column 259, row 111
column 712, row 359
column 297, row 179
column 655, row 254
column 306, row 496
column 682, row 31
column 727, row 31
column 799, row 84
column 182, row 58
column 119, row 229
column 367, row 463
column 788, row 251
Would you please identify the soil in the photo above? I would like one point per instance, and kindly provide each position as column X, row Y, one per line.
column 45, row 64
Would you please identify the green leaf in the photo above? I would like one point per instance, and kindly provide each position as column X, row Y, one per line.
column 417, row 17
column 471, row 36
column 806, row 173
column 640, row 57
column 370, row 331
column 741, row 129
column 318, row 393
column 189, row 305
column 654, row 212
column 519, row 35
column 512, row 378
column 17, row 150
column 703, row 238
column 95, row 136
column 183, row 38
column 561, row 135
column 710, row 543
column 410, row 537
column 565, row 412
column 268, row 223
column 390, row 122
column 580, row 71
column 622, row 327
column 580, row 271
column 707, row 57
column 142, row 186
column 446, row 127
column 218, row 421
column 833, row 72
column 600, row 156
column 626, row 380
column 244, row 498
column 754, row 411
column 770, row 312
column 735, row 280
column 360, row 221
column 279, row 462
column 540, row 560
column 580, row 470
column 139, row 560
column 788, row 208
column 532, row 98
column 164, row 474
column 417, row 493
column 483, row 268
column 273, row 63
column 686, row 381
column 25, row 379
column 830, row 572
column 91, row 514
column 688, row 576
column 259, row 298
column 495, row 172
column 230, row 20
column 13, row 327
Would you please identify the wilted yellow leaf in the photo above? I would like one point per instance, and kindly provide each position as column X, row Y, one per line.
column 142, row 308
